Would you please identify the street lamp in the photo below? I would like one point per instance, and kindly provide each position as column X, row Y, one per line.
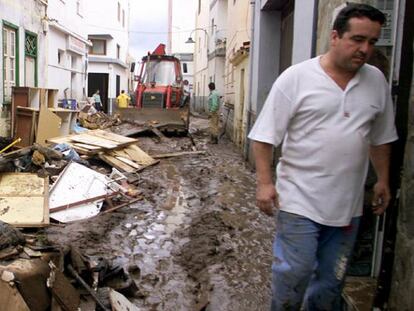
column 190, row 39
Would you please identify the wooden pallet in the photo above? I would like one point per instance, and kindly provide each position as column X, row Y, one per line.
column 94, row 142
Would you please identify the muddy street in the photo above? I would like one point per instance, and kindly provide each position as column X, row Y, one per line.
column 197, row 241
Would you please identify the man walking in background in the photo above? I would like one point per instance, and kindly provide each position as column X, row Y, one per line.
column 213, row 108
column 123, row 100
column 332, row 113
column 97, row 101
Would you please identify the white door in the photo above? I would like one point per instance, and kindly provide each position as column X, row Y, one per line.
column 9, row 62
column 30, row 64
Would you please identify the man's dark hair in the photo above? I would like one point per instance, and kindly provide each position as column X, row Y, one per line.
column 359, row 10
column 211, row 86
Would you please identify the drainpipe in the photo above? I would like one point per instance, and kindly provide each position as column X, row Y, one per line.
column 249, row 106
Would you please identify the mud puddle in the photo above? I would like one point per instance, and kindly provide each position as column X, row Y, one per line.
column 196, row 241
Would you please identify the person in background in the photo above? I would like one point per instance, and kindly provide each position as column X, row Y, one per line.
column 333, row 113
column 213, row 108
column 97, row 101
column 123, row 100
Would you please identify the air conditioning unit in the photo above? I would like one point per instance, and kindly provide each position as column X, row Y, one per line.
column 387, row 31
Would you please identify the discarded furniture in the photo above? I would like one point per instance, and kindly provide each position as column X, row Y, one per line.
column 36, row 115
column 24, row 200
column 75, row 184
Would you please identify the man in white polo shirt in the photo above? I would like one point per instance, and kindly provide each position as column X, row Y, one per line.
column 332, row 113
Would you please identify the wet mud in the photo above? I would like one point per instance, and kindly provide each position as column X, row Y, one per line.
column 197, row 241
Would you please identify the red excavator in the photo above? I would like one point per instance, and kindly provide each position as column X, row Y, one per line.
column 159, row 98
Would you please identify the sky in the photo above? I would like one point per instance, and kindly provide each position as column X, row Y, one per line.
column 149, row 24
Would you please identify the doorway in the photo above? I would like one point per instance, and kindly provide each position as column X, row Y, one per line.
column 118, row 85
column 99, row 81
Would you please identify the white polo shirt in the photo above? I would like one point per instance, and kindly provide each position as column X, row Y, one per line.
column 326, row 134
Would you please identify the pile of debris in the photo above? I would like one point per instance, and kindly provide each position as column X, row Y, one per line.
column 92, row 119
column 70, row 179
column 36, row 277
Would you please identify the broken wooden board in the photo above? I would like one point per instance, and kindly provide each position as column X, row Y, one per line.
column 120, row 303
column 87, row 147
column 62, row 290
column 94, row 141
column 139, row 156
column 176, row 154
column 74, row 184
column 129, row 159
column 48, row 126
column 118, row 164
column 113, row 137
column 24, row 200
column 10, row 298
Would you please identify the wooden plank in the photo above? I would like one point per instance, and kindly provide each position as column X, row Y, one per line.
column 119, row 165
column 10, row 298
column 24, row 200
column 176, row 154
column 79, row 149
column 128, row 162
column 113, row 137
column 22, row 184
column 24, row 125
column 48, row 126
column 63, row 291
column 157, row 132
column 86, row 146
column 89, row 200
column 138, row 155
column 94, row 140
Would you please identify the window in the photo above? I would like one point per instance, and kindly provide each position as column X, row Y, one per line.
column 119, row 12
column 98, row 47
column 185, row 69
column 123, row 18
column 118, row 51
column 69, row 60
column 60, row 57
column 9, row 62
column 30, row 45
column 199, row 7
column 74, row 61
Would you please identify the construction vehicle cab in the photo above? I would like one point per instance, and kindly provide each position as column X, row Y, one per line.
column 159, row 96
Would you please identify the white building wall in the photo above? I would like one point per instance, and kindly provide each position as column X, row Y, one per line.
column 67, row 37
column 115, row 32
column 201, row 74
column 26, row 16
column 265, row 50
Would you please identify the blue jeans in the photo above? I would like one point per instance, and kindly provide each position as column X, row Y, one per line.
column 310, row 262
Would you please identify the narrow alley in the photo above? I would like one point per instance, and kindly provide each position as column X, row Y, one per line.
column 196, row 241
column 143, row 143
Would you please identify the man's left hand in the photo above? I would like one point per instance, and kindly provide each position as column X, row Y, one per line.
column 381, row 198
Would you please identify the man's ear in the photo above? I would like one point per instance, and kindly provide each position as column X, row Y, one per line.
column 334, row 37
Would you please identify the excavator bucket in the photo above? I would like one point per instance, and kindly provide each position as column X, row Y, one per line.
column 169, row 120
